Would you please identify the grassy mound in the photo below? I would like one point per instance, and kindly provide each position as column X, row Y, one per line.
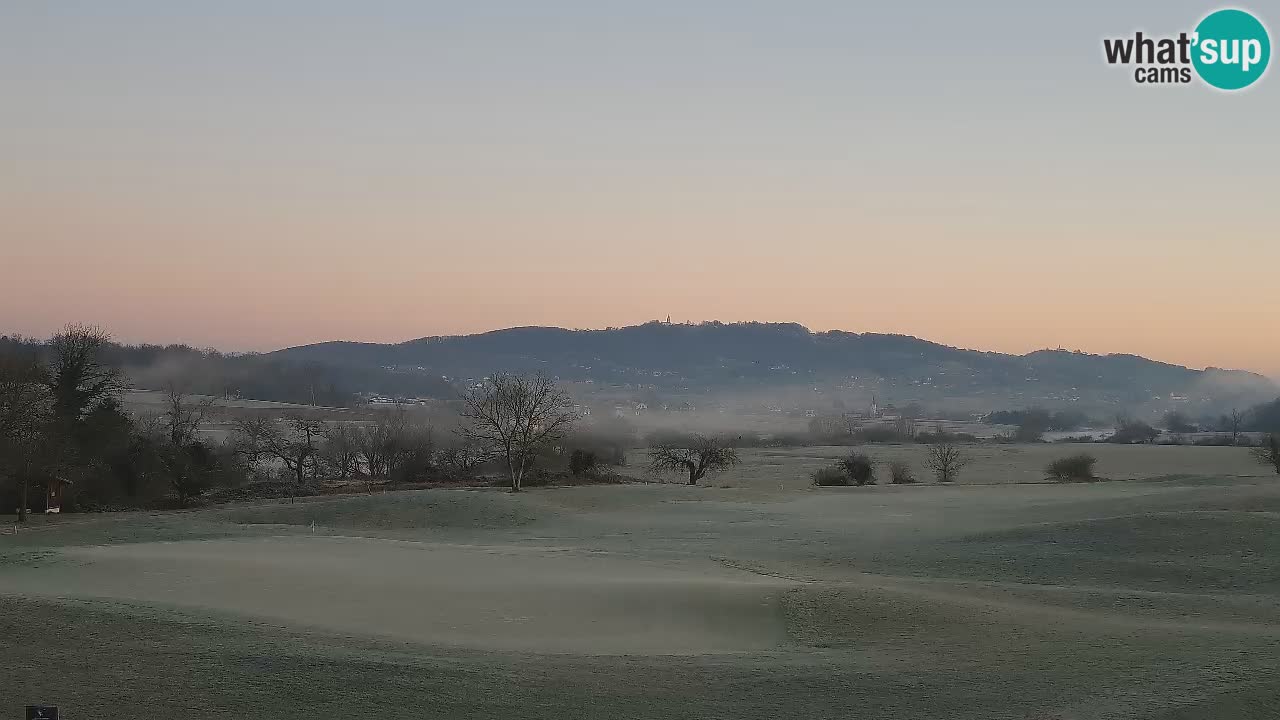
column 1177, row 551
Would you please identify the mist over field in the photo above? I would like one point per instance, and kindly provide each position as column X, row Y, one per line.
column 688, row 535
column 653, row 360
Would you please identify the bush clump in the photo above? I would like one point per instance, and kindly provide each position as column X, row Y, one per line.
column 1072, row 467
column 860, row 468
column 582, row 462
column 881, row 435
column 900, row 473
column 831, row 477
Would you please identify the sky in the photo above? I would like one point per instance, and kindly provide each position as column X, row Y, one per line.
column 256, row 175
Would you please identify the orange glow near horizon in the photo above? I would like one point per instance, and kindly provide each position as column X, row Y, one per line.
column 223, row 178
column 148, row 279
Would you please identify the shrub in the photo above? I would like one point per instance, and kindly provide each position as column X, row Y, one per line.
column 1176, row 422
column 1131, row 432
column 462, row 461
column 608, row 445
column 881, row 435
column 788, row 439
column 860, row 468
column 831, row 477
column 582, row 462
column 1029, row 434
column 900, row 473
column 933, row 438
column 1072, row 467
column 1268, row 451
column 412, row 456
column 1220, row 440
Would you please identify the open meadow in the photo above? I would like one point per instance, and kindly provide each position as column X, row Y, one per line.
column 755, row 595
column 789, row 468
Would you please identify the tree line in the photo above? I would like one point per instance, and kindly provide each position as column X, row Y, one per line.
column 65, row 431
column 207, row 371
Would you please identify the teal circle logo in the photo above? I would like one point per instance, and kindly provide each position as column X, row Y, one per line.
column 1231, row 49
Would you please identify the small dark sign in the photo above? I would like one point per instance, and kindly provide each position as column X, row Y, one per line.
column 42, row 712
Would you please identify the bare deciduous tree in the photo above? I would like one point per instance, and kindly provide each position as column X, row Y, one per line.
column 340, row 449
column 1268, row 451
column 515, row 416
column 945, row 460
column 463, row 458
column 696, row 455
column 372, row 444
column 183, row 415
column 395, row 446
column 293, row 442
column 408, row 446
column 412, row 455
column 184, row 457
column 150, row 425
column 1234, row 421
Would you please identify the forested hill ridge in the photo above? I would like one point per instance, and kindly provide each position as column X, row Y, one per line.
column 740, row 363
column 720, row 356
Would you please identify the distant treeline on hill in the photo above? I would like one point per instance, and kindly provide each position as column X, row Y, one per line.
column 1043, row 420
column 744, row 356
column 1263, row 417
column 732, row 358
column 260, row 377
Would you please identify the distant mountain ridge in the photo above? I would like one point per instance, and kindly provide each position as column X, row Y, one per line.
column 720, row 356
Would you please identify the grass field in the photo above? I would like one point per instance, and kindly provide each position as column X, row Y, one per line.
column 789, row 468
column 758, row 596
